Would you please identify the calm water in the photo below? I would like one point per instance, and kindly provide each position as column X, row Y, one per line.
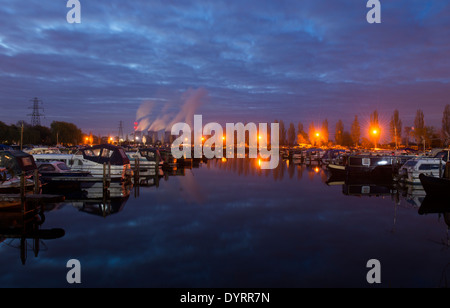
column 229, row 224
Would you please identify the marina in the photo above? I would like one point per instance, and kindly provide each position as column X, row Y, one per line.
column 208, row 145
column 181, row 208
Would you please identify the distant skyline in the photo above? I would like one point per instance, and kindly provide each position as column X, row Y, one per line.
column 249, row 61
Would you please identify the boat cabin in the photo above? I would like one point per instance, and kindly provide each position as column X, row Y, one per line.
column 105, row 153
column 17, row 162
column 444, row 155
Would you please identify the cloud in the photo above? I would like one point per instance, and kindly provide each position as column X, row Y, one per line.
column 286, row 58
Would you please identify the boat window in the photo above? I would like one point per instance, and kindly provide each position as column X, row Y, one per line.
column 63, row 166
column 107, row 153
column 26, row 161
column 429, row 167
column 46, row 168
column 410, row 163
column 89, row 153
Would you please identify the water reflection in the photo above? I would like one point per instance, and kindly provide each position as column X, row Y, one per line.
column 227, row 222
column 286, row 169
column 25, row 231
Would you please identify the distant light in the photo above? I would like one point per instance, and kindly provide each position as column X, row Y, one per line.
column 317, row 170
column 317, row 135
column 224, row 159
column 223, row 138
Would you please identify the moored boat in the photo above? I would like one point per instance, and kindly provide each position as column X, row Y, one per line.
column 435, row 185
column 148, row 160
column 98, row 160
column 411, row 170
column 14, row 165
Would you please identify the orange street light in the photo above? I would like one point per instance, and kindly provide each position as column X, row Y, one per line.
column 375, row 132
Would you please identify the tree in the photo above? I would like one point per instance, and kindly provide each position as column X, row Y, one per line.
column 67, row 133
column 45, row 134
column 282, row 133
column 356, row 131
column 302, row 136
column 408, row 133
column 312, row 134
column 6, row 133
column 446, row 124
column 339, row 134
column 374, row 119
column 419, row 127
column 432, row 137
column 374, row 129
column 396, row 128
column 291, row 137
column 325, row 132
column 347, row 139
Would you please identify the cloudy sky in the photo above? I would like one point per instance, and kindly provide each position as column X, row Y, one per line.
column 248, row 60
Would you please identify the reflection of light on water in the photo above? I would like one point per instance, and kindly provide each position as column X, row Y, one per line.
column 317, row 170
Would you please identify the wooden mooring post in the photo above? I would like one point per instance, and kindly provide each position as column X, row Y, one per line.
column 137, row 175
column 22, row 193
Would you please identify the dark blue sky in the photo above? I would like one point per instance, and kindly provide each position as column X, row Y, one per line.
column 249, row 60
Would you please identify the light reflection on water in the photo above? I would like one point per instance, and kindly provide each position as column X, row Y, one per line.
column 227, row 223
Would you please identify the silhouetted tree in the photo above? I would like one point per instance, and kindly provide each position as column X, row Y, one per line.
column 291, row 136
column 355, row 131
column 446, row 124
column 419, row 127
column 396, row 128
column 339, row 134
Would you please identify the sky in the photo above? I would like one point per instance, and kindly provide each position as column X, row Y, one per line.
column 230, row 61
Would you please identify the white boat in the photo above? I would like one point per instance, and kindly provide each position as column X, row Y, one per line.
column 148, row 160
column 97, row 160
column 43, row 150
column 410, row 171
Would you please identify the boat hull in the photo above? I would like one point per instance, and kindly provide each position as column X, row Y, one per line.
column 435, row 186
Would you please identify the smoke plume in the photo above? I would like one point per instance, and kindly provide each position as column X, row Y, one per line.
column 152, row 116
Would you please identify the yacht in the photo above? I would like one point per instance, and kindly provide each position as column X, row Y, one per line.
column 99, row 160
column 410, row 171
column 149, row 160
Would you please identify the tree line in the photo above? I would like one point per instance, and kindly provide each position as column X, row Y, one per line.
column 420, row 133
column 58, row 133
